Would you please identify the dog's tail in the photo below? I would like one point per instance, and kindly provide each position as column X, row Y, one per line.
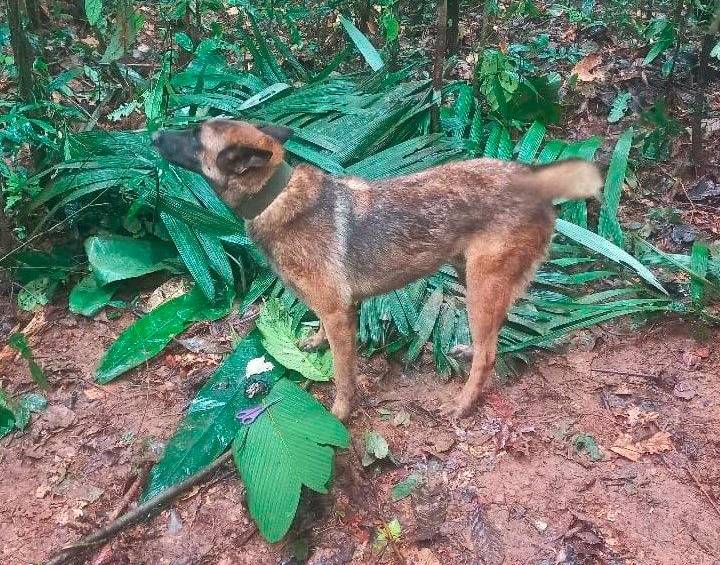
column 572, row 179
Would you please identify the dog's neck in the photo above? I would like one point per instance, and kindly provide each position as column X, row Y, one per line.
column 258, row 202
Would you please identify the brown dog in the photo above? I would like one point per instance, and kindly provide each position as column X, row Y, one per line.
column 336, row 241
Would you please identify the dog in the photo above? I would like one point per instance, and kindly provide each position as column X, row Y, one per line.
column 338, row 240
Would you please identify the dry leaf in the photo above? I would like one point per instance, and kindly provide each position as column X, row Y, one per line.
column 171, row 288
column 626, row 447
column 586, row 68
column 636, row 416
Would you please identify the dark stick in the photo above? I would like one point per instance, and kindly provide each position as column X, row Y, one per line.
column 21, row 51
column 440, row 47
column 700, row 103
column 141, row 513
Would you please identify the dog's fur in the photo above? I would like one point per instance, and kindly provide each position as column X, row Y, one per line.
column 336, row 241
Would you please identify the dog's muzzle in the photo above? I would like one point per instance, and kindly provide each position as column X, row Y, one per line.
column 180, row 148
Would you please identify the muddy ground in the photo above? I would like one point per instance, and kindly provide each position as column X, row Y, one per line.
column 515, row 483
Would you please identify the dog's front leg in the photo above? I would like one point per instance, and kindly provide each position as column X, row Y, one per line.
column 315, row 341
column 340, row 330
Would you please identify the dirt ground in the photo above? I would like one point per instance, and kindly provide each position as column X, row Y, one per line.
column 513, row 484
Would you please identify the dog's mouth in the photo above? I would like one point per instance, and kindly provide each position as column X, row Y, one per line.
column 180, row 148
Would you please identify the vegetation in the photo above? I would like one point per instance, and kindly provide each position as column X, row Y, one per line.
column 90, row 211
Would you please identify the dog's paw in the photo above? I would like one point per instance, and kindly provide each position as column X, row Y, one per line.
column 341, row 409
column 312, row 343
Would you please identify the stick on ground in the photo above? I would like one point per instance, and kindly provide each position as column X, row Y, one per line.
column 142, row 512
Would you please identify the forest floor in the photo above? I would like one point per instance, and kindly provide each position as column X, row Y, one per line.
column 517, row 482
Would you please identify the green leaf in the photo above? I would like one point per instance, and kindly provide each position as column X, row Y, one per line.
column 191, row 252
column 18, row 341
column 369, row 53
column 286, row 448
column 699, row 259
column 587, row 443
column 390, row 531
column 530, row 143
column 607, row 249
column 619, row 106
column 123, row 37
column 280, row 340
column 87, row 298
column 29, row 403
column 425, row 323
column 7, row 415
column 405, row 487
column 376, row 445
column 210, row 424
column 115, row 258
column 184, row 40
column 716, row 51
column 36, row 293
column 93, row 11
column 608, row 225
column 149, row 335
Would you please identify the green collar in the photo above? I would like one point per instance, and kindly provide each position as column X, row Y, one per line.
column 258, row 202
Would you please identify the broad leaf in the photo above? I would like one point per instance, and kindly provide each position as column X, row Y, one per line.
column 280, row 340
column 286, row 448
column 87, row 298
column 149, row 335
column 93, row 11
column 115, row 258
column 210, row 424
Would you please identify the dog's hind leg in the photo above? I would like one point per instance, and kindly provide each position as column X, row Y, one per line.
column 497, row 272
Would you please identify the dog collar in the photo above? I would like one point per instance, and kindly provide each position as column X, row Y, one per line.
column 258, row 202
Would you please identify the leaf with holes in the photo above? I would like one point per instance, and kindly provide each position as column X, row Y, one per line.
column 619, row 106
column 280, row 340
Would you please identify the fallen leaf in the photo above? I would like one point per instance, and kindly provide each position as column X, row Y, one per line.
column 637, row 416
column 626, row 447
column 59, row 416
column 171, row 288
column 402, row 418
column 684, row 390
column 586, row 68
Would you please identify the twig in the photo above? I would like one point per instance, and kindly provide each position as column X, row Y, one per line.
column 626, row 373
column 142, row 512
column 106, row 551
column 702, row 489
column 380, row 516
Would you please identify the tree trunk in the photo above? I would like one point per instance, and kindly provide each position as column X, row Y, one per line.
column 440, row 47
column 37, row 20
column 700, row 103
column 21, row 51
column 453, row 7
column 364, row 10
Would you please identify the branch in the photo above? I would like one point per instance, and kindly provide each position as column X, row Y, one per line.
column 139, row 514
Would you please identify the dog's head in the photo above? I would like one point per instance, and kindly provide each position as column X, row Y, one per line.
column 236, row 157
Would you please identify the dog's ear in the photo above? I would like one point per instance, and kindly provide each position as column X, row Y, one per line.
column 234, row 159
column 280, row 133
